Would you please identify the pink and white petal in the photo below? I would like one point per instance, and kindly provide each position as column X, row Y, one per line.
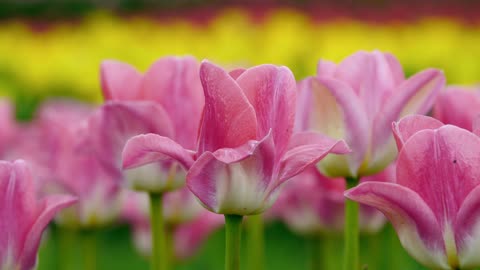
column 116, row 122
column 174, row 82
column 149, row 148
column 272, row 91
column 235, row 73
column 326, row 68
column 338, row 113
column 395, row 68
column 120, row 81
column 411, row 124
column 458, row 106
column 415, row 223
column 355, row 69
column 234, row 183
column 228, row 119
column 50, row 206
column 467, row 230
column 415, row 96
column 304, row 106
column 306, row 149
column 441, row 166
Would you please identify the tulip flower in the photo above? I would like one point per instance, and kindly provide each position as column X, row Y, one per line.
column 167, row 100
column 434, row 203
column 171, row 91
column 458, row 106
column 245, row 150
column 357, row 100
column 23, row 217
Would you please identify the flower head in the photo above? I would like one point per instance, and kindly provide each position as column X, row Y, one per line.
column 434, row 203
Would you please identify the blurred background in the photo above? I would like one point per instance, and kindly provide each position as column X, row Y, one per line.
column 54, row 48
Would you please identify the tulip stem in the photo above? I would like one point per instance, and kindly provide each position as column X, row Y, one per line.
column 256, row 242
column 233, row 237
column 160, row 255
column 90, row 249
column 315, row 243
column 351, row 256
column 66, row 239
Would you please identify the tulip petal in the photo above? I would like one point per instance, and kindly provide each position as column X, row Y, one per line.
column 116, row 122
column 50, row 207
column 149, row 148
column 415, row 96
column 326, row 68
column 415, row 223
column 272, row 92
column 235, row 73
column 338, row 113
column 234, row 181
column 306, row 149
column 174, row 83
column 444, row 161
column 409, row 125
column 120, row 81
column 467, row 230
column 476, row 125
column 458, row 106
column 228, row 118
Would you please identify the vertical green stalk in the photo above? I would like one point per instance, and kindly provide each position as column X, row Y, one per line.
column 351, row 255
column 233, row 237
column 160, row 254
column 315, row 252
column 90, row 249
column 65, row 241
column 256, row 243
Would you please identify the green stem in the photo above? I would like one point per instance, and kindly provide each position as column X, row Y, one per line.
column 90, row 250
column 233, row 237
column 351, row 256
column 256, row 242
column 160, row 254
column 65, row 240
column 315, row 243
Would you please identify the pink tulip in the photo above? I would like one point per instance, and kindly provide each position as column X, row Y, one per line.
column 23, row 217
column 245, row 145
column 313, row 203
column 8, row 126
column 458, row 106
column 166, row 100
column 59, row 146
column 357, row 100
column 434, row 203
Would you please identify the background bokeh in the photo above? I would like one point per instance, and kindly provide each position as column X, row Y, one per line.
column 54, row 48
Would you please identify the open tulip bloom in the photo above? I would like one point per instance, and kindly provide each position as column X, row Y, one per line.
column 245, row 148
column 434, row 205
column 357, row 100
column 23, row 217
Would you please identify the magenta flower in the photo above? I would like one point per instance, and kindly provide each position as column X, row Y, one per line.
column 23, row 217
column 434, row 205
column 245, row 146
column 458, row 106
column 59, row 147
column 313, row 203
column 357, row 100
column 166, row 100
